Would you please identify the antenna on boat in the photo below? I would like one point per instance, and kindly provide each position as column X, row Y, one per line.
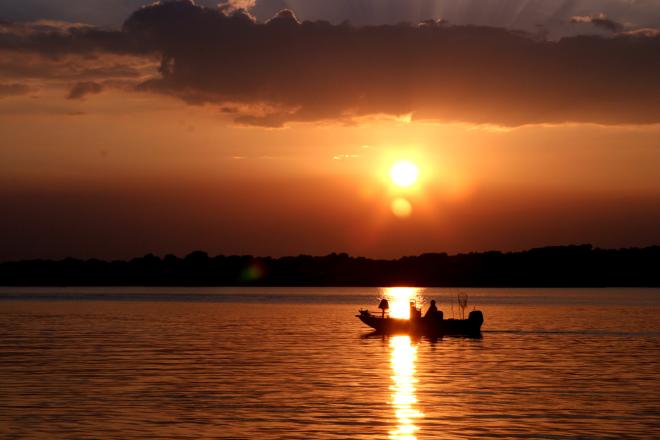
column 462, row 303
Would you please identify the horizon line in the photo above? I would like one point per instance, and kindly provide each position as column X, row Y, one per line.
column 343, row 254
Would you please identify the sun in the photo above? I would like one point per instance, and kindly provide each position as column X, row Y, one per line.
column 404, row 173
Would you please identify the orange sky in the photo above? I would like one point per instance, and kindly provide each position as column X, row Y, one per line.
column 118, row 172
column 138, row 173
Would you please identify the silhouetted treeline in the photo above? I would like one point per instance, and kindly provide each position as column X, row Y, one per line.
column 543, row 267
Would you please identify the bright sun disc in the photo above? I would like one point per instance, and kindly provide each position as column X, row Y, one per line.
column 404, row 173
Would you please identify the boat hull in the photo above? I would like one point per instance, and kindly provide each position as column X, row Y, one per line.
column 426, row 326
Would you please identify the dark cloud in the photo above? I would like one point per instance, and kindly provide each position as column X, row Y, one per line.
column 606, row 23
column 314, row 70
column 515, row 14
column 97, row 12
column 552, row 15
column 54, row 39
column 13, row 89
column 600, row 21
column 84, row 88
column 274, row 72
column 22, row 65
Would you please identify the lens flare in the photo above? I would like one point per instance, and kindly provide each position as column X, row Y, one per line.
column 404, row 173
column 401, row 207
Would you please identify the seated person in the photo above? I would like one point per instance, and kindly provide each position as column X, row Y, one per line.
column 432, row 311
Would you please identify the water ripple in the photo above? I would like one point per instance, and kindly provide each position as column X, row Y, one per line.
column 164, row 369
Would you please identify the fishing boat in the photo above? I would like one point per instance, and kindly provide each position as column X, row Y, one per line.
column 425, row 326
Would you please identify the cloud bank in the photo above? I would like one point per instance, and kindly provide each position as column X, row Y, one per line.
column 279, row 71
column 553, row 15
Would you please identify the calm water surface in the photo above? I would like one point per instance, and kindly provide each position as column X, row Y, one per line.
column 296, row 363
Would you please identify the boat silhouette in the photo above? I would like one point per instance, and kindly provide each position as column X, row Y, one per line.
column 424, row 326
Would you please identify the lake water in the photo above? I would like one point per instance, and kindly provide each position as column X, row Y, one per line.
column 265, row 363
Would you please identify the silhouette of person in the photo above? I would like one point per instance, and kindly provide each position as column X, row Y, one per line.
column 384, row 305
column 432, row 311
column 414, row 313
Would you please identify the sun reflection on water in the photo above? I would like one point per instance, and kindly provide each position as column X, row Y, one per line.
column 404, row 401
column 399, row 299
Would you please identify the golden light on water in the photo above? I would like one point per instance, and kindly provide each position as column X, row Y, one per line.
column 403, row 397
column 399, row 299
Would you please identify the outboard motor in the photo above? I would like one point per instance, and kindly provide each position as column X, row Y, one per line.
column 476, row 316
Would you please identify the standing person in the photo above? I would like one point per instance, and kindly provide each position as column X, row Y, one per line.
column 384, row 305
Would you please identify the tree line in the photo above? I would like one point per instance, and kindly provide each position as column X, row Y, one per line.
column 557, row 266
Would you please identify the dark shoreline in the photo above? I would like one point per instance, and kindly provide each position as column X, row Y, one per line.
column 557, row 266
